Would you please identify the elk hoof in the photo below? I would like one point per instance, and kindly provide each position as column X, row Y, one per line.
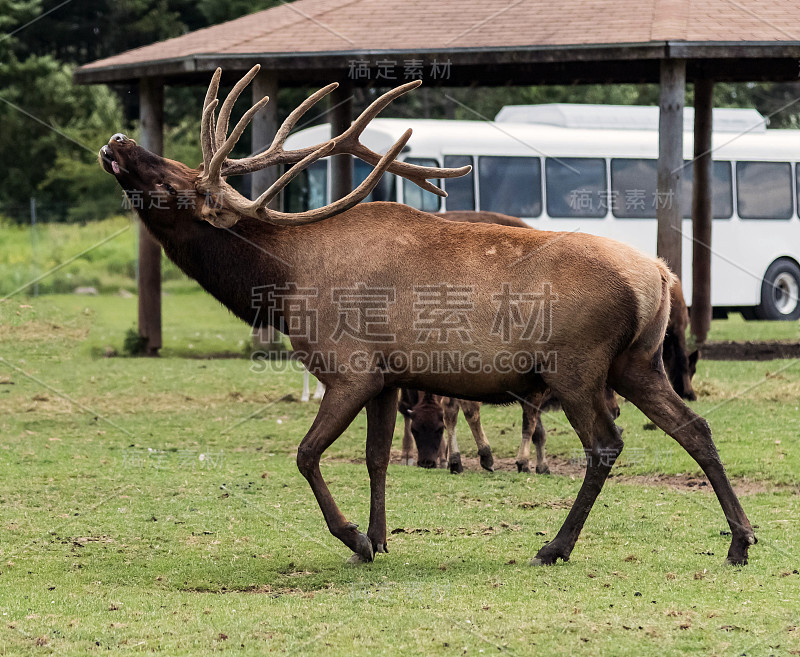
column 487, row 461
column 543, row 469
column 363, row 550
column 407, row 460
column 547, row 556
column 357, row 559
column 522, row 466
column 737, row 554
column 455, row 464
column 736, row 561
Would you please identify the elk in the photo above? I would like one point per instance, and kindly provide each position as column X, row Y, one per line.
column 427, row 418
column 314, row 268
column 430, row 425
column 418, row 410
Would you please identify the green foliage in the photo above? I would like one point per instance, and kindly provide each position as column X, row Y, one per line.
column 48, row 146
column 134, row 344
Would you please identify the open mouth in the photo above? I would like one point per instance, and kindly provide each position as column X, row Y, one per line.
column 108, row 162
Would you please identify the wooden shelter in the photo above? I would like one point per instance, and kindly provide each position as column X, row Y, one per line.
column 491, row 43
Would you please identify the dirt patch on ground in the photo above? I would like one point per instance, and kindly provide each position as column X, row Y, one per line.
column 749, row 350
column 570, row 468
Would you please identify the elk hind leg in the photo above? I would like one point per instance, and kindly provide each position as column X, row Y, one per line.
column 643, row 382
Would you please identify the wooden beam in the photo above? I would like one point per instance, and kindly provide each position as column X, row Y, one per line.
column 340, row 115
column 701, row 211
column 670, row 161
column 151, row 120
column 264, row 126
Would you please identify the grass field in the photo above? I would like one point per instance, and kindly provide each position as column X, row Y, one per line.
column 154, row 505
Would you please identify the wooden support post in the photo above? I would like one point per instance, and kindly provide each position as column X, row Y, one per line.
column 341, row 116
column 151, row 119
column 701, row 211
column 264, row 126
column 670, row 161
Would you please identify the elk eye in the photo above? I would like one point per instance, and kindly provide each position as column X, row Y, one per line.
column 170, row 189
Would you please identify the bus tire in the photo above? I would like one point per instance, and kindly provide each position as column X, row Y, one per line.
column 780, row 292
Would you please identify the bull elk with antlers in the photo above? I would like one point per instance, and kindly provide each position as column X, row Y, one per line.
column 609, row 310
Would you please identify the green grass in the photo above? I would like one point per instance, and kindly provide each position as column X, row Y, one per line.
column 736, row 328
column 117, row 538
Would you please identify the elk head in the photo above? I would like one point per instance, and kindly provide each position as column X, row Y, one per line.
column 166, row 186
column 427, row 428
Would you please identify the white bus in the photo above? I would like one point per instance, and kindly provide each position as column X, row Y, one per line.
column 593, row 169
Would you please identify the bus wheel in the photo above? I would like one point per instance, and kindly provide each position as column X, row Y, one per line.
column 780, row 291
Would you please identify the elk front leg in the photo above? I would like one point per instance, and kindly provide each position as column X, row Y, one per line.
column 472, row 414
column 602, row 443
column 381, row 414
column 450, row 408
column 339, row 407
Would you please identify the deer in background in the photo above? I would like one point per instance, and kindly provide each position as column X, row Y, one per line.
column 607, row 326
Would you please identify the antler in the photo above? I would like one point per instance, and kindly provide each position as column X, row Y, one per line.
column 217, row 146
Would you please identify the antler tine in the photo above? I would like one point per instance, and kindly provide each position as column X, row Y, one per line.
column 213, row 88
column 417, row 174
column 275, row 151
column 287, row 177
column 358, row 126
column 296, row 115
column 207, row 125
column 225, row 111
column 215, row 167
column 353, row 198
column 207, row 133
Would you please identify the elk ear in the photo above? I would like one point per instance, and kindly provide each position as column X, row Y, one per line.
column 693, row 358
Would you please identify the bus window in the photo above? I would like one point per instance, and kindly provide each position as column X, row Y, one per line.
column 417, row 197
column 511, row 185
column 385, row 190
column 460, row 191
column 764, row 190
column 576, row 187
column 309, row 190
column 721, row 190
column 633, row 188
